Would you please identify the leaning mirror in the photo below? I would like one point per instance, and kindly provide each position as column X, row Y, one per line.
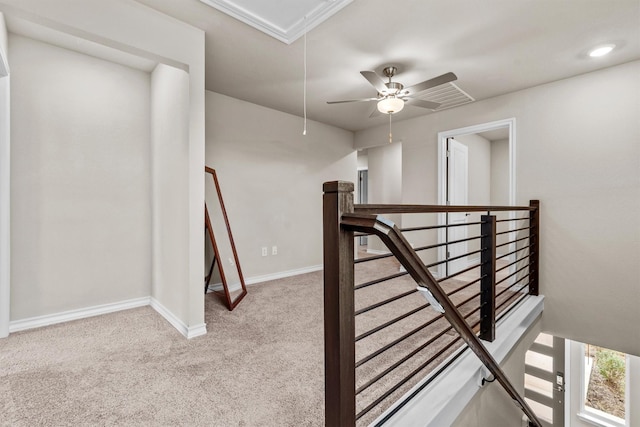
column 227, row 280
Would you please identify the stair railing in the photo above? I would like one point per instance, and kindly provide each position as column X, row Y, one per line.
column 341, row 220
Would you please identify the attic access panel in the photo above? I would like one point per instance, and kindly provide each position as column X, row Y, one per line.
column 284, row 19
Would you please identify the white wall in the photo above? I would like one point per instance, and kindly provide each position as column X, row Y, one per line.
column 143, row 31
column 385, row 173
column 80, row 184
column 581, row 158
column 363, row 160
column 500, row 172
column 385, row 183
column 3, row 36
column 5, row 187
column 479, row 164
column 271, row 180
column 169, row 159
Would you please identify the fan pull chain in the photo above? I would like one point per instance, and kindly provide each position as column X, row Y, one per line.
column 390, row 134
column 304, row 128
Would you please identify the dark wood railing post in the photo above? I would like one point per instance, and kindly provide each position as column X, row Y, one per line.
column 488, row 281
column 339, row 318
column 534, row 241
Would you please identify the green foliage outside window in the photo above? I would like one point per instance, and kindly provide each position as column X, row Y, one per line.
column 611, row 366
column 606, row 389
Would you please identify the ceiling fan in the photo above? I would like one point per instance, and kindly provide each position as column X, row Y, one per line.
column 393, row 95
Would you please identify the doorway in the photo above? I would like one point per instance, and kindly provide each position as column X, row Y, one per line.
column 501, row 178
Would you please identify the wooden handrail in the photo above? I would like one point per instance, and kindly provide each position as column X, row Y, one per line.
column 398, row 209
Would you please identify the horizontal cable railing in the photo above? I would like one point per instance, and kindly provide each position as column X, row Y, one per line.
column 382, row 337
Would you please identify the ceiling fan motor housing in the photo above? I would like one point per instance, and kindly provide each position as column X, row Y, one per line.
column 393, row 88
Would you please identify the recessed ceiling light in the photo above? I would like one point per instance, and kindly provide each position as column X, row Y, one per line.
column 601, row 50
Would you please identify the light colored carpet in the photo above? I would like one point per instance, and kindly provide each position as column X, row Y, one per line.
column 260, row 365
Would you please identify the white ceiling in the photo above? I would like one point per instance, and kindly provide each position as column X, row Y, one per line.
column 494, row 47
column 49, row 34
column 286, row 22
column 496, row 134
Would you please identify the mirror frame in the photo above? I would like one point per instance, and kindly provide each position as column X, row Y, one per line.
column 231, row 304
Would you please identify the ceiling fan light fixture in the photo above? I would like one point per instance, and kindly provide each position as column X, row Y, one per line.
column 390, row 105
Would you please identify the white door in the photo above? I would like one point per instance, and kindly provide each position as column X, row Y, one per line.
column 457, row 194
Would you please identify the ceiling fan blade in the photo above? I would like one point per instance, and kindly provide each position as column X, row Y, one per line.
column 421, row 103
column 352, row 100
column 427, row 84
column 375, row 80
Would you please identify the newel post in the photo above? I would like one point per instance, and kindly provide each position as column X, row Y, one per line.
column 488, row 278
column 534, row 241
column 339, row 321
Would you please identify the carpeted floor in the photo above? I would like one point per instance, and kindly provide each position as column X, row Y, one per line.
column 260, row 365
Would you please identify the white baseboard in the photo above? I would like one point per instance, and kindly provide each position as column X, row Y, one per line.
column 187, row 331
column 267, row 277
column 282, row 274
column 214, row 287
column 196, row 331
column 82, row 313
column 97, row 310
column 377, row 252
column 217, row 287
column 432, row 270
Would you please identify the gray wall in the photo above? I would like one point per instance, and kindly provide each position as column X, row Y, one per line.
column 80, row 183
column 500, row 172
column 492, row 406
column 581, row 158
column 271, row 179
column 385, row 184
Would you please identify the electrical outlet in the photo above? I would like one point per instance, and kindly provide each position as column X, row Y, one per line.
column 274, row 250
column 264, row 251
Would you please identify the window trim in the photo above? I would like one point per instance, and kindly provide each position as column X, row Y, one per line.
column 595, row 416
